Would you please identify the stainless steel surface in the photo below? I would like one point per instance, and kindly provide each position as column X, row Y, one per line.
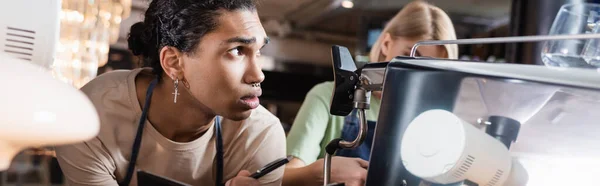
column 362, row 98
column 560, row 140
column 518, row 39
column 372, row 78
column 575, row 77
column 327, row 169
column 362, row 105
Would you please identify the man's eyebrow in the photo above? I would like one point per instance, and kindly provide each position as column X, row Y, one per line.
column 246, row 41
column 243, row 40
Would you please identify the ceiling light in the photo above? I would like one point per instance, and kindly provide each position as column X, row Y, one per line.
column 347, row 4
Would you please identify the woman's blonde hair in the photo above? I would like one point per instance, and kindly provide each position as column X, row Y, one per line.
column 418, row 20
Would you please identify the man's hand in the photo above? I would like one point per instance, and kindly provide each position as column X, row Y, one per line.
column 242, row 179
column 351, row 171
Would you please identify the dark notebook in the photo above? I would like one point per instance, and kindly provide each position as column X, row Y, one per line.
column 147, row 179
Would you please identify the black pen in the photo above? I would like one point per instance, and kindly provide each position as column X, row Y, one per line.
column 271, row 167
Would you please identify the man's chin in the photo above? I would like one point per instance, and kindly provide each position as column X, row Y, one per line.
column 239, row 116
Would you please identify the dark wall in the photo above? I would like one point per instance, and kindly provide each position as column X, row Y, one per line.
column 532, row 17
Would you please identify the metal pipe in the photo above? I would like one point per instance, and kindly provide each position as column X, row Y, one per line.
column 362, row 132
column 361, row 100
column 327, row 169
column 517, row 39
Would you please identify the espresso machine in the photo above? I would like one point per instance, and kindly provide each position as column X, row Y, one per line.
column 452, row 122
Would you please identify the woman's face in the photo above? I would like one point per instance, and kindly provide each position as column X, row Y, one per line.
column 221, row 70
column 401, row 46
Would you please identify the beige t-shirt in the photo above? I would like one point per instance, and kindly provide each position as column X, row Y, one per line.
column 248, row 145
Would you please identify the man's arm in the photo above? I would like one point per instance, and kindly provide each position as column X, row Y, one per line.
column 86, row 164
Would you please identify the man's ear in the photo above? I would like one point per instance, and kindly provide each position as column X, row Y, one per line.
column 170, row 60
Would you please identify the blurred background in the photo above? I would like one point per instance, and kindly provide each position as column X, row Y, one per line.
column 302, row 32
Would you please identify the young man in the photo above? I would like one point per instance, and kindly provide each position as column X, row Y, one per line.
column 194, row 116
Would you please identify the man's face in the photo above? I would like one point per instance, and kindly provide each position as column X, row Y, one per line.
column 221, row 70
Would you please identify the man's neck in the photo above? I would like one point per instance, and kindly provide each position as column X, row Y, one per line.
column 183, row 121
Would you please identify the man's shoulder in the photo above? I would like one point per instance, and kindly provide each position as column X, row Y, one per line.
column 106, row 81
column 113, row 96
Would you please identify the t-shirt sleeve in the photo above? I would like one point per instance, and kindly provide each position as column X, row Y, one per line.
column 308, row 129
column 86, row 163
column 270, row 148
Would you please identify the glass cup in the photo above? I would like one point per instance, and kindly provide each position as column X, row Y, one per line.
column 581, row 18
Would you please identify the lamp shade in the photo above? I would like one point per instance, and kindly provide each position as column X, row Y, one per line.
column 37, row 110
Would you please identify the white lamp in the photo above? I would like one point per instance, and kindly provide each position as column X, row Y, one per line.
column 37, row 110
column 440, row 147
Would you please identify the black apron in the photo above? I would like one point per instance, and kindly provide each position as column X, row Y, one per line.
column 138, row 141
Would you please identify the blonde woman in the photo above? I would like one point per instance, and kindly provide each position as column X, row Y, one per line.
column 314, row 127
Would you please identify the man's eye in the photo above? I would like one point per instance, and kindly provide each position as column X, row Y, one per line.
column 236, row 51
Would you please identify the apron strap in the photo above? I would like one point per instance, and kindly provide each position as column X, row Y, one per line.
column 138, row 136
column 219, row 148
column 138, row 141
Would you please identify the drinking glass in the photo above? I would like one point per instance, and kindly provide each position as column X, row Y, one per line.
column 580, row 18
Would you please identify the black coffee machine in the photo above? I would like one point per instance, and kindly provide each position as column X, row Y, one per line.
column 411, row 86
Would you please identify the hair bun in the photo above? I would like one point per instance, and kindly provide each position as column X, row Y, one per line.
column 135, row 41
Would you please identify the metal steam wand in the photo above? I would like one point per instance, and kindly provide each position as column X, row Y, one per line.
column 361, row 101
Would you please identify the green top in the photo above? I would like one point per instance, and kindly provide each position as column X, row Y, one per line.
column 314, row 126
